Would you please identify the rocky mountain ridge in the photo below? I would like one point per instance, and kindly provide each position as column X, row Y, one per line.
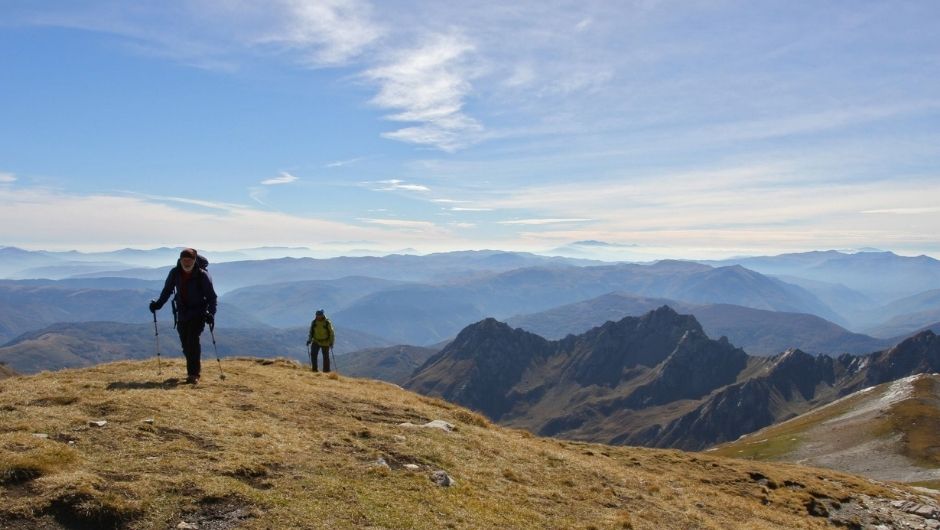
column 654, row 380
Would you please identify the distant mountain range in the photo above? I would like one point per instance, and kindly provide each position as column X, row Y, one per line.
column 423, row 300
column 440, row 267
column 878, row 275
column 655, row 380
column 78, row 344
column 425, row 314
column 757, row 331
column 31, row 305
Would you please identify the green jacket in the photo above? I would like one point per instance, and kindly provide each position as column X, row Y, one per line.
column 321, row 332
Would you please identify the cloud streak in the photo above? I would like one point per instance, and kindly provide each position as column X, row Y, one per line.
column 284, row 178
column 399, row 185
column 427, row 86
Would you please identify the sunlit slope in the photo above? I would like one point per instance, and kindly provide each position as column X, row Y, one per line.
column 889, row 432
column 276, row 446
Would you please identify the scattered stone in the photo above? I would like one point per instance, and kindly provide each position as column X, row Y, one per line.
column 149, row 420
column 924, row 511
column 412, row 467
column 399, row 438
column 439, row 424
column 42, row 435
column 184, row 525
column 99, row 423
column 381, row 463
column 436, row 424
column 441, row 478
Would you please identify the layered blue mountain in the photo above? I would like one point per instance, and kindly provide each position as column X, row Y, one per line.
column 878, row 275
column 655, row 380
column 757, row 331
column 423, row 314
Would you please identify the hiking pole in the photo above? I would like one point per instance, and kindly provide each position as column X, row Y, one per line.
column 156, row 338
column 335, row 368
column 313, row 362
column 216, row 348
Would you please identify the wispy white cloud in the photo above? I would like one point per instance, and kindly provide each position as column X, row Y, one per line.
column 543, row 221
column 341, row 163
column 219, row 35
column 904, row 211
column 212, row 205
column 398, row 185
column 469, row 209
column 7, row 177
column 427, row 85
column 397, row 222
column 133, row 220
column 284, row 178
column 332, row 31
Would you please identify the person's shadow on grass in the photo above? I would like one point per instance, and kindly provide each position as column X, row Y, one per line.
column 172, row 382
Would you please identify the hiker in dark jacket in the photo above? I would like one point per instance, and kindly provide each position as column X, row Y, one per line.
column 193, row 306
column 321, row 338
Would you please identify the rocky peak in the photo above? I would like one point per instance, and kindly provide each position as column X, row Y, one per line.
column 919, row 353
column 796, row 369
column 601, row 355
column 697, row 366
column 481, row 365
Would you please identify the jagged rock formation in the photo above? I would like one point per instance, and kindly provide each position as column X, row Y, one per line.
column 655, row 380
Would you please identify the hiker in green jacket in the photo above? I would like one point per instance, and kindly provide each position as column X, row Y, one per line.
column 321, row 338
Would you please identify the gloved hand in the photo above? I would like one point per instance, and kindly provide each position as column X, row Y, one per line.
column 153, row 306
column 210, row 319
column 308, row 342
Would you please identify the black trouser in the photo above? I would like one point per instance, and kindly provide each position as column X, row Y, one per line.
column 189, row 331
column 314, row 348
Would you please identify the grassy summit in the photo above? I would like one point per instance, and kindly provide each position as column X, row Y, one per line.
column 276, row 446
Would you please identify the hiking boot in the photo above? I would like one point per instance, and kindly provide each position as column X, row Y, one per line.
column 192, row 379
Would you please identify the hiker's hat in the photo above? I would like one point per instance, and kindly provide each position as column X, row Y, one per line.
column 320, row 312
column 188, row 253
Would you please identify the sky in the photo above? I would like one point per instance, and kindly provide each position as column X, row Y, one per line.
column 652, row 129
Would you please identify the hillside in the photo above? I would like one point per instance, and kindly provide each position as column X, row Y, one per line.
column 394, row 364
column 757, row 331
column 6, row 371
column 77, row 344
column 656, row 380
column 275, row 446
column 887, row 432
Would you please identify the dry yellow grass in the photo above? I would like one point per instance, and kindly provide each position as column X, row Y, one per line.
column 276, row 446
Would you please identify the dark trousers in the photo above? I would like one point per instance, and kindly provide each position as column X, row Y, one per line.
column 189, row 331
column 314, row 348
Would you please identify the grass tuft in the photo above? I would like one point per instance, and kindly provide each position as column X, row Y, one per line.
column 471, row 418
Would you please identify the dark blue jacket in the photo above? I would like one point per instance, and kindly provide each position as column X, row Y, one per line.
column 193, row 299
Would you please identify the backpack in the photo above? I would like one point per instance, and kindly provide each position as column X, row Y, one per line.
column 202, row 262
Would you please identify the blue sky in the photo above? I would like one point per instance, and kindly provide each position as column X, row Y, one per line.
column 667, row 129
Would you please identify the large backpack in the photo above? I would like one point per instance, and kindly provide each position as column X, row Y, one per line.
column 201, row 261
